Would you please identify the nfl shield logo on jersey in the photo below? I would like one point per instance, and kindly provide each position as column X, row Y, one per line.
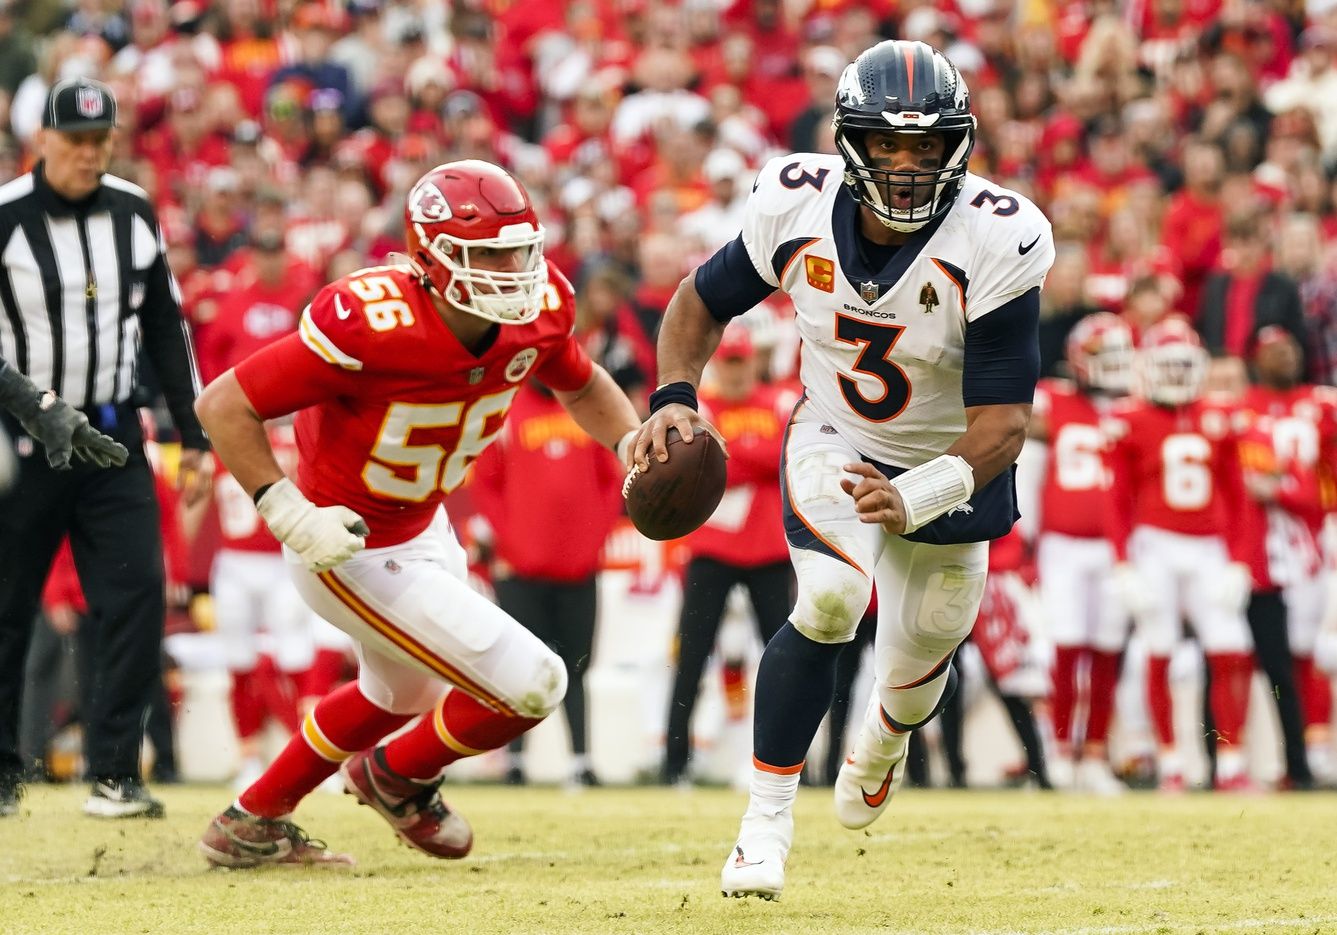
column 89, row 102
column 868, row 291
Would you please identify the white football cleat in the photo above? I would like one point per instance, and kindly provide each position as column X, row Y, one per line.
column 868, row 778
column 756, row 865
column 1095, row 777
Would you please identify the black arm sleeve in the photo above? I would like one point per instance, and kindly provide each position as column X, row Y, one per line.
column 168, row 345
column 728, row 282
column 1002, row 361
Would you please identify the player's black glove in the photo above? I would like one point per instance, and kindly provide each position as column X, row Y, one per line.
column 62, row 429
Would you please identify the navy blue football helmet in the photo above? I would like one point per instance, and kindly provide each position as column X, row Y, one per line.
column 907, row 87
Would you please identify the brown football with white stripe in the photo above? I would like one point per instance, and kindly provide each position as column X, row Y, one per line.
column 670, row 499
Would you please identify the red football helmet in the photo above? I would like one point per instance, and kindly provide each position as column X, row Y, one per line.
column 465, row 205
column 1171, row 363
column 1100, row 353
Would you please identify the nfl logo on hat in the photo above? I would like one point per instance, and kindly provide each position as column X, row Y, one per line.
column 79, row 104
column 89, row 102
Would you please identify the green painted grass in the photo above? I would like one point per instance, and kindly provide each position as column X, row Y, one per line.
column 646, row 861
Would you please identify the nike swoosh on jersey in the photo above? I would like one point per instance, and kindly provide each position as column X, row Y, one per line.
column 877, row 798
column 343, row 312
column 1024, row 249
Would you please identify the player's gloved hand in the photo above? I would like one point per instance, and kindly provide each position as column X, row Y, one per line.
column 323, row 536
column 1132, row 590
column 1235, row 588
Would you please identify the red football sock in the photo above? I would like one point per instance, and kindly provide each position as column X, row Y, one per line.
column 1104, row 681
column 1231, row 673
column 1158, row 699
column 246, row 711
column 275, row 693
column 1065, row 690
column 1315, row 692
column 343, row 723
column 325, row 672
column 458, row 727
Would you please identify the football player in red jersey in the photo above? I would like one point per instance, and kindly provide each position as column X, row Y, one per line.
column 1296, row 425
column 1088, row 622
column 1176, row 489
column 400, row 377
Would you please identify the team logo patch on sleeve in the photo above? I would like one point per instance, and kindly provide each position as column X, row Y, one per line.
column 821, row 273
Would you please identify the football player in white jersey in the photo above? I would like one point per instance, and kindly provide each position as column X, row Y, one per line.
column 916, row 286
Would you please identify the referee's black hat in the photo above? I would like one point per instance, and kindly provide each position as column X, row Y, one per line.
column 76, row 104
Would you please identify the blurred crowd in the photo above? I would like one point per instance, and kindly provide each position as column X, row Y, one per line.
column 1185, row 150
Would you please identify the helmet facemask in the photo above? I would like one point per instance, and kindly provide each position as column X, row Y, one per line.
column 932, row 191
column 511, row 297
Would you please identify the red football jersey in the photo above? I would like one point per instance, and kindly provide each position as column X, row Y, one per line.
column 1302, row 425
column 1077, row 478
column 398, row 407
column 1173, row 468
column 747, row 528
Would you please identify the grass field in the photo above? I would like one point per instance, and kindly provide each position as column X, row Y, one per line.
column 647, row 861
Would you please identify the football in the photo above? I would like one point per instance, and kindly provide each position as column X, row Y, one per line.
column 670, row 499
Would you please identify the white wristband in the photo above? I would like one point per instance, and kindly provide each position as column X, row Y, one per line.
column 623, row 447
column 934, row 488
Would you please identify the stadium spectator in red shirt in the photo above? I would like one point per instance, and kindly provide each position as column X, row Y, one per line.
column 1194, row 219
column 267, row 295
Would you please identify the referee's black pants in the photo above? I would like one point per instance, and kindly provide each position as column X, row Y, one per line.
column 705, row 592
column 111, row 517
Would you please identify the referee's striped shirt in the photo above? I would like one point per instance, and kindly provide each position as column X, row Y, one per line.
column 81, row 286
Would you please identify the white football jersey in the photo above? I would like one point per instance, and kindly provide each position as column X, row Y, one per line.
column 883, row 348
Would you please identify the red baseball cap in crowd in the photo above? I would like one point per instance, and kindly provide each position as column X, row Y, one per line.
column 735, row 345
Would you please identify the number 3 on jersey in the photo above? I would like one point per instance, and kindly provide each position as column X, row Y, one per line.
column 393, row 449
column 877, row 341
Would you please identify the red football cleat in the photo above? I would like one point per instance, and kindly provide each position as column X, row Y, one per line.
column 238, row 840
column 414, row 809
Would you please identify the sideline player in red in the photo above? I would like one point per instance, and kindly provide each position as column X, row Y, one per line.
column 1177, row 487
column 403, row 375
column 1087, row 622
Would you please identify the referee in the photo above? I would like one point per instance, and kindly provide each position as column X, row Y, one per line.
column 83, row 281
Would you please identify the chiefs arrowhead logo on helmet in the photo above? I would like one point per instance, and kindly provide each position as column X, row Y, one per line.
column 427, row 205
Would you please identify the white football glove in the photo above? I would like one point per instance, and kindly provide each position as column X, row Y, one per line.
column 323, row 536
column 1132, row 590
column 1235, row 588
